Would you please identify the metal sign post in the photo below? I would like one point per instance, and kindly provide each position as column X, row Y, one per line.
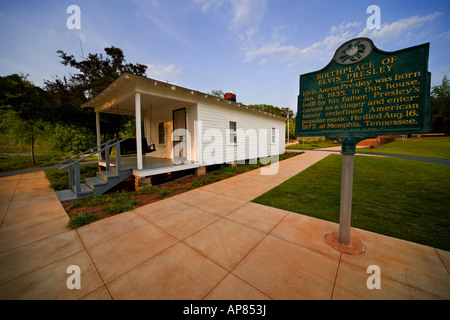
column 363, row 93
column 348, row 154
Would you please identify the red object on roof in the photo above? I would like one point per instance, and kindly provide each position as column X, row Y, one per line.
column 230, row 96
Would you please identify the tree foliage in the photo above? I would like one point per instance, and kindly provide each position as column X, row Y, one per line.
column 217, row 93
column 440, row 97
column 282, row 112
column 98, row 71
column 24, row 108
column 71, row 138
column 18, row 94
column 95, row 73
column 67, row 97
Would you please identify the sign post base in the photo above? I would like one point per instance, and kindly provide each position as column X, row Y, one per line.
column 354, row 247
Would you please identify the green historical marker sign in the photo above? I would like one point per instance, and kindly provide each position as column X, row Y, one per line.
column 362, row 93
column 365, row 92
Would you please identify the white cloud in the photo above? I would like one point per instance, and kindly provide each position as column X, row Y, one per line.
column 398, row 28
column 344, row 26
column 271, row 50
column 248, row 12
column 445, row 35
column 245, row 13
column 163, row 72
column 292, row 55
column 244, row 21
column 207, row 5
column 322, row 51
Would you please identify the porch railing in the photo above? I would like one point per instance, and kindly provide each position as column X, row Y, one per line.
column 74, row 165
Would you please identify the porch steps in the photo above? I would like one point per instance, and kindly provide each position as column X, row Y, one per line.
column 94, row 182
column 104, row 181
column 84, row 189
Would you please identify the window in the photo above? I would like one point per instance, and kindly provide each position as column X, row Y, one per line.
column 161, row 133
column 273, row 135
column 233, row 134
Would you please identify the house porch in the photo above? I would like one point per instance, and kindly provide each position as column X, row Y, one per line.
column 152, row 165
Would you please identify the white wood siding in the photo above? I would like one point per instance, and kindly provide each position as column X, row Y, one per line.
column 155, row 115
column 251, row 126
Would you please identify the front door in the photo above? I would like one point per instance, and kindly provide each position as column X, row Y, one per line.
column 179, row 136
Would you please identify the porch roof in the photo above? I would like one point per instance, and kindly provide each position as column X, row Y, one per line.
column 119, row 96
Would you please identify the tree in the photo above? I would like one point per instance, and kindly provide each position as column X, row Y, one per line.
column 24, row 107
column 282, row 112
column 67, row 97
column 217, row 93
column 96, row 72
column 440, row 98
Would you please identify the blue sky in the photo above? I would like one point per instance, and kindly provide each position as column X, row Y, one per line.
column 256, row 48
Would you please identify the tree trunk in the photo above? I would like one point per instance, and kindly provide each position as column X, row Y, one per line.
column 32, row 147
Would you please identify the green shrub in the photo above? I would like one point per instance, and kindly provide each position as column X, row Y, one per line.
column 164, row 192
column 227, row 174
column 59, row 184
column 253, row 166
column 117, row 208
column 240, row 169
column 75, row 205
column 82, row 219
column 183, row 188
column 97, row 200
column 205, row 181
column 121, row 202
column 196, row 183
column 214, row 178
column 72, row 138
column 148, row 190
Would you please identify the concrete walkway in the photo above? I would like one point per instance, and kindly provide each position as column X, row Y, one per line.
column 209, row 243
column 445, row 162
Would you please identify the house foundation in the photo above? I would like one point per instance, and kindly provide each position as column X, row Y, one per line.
column 200, row 171
column 141, row 182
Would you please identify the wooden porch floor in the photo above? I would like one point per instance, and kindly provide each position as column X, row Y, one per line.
column 152, row 165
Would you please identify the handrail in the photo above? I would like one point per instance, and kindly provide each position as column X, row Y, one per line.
column 74, row 166
column 89, row 150
column 90, row 155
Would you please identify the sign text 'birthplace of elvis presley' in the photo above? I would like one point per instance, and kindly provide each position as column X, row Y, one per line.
column 365, row 92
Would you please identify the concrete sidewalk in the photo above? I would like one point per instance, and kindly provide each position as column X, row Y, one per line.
column 208, row 243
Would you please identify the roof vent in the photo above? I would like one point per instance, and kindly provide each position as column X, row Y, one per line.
column 230, row 96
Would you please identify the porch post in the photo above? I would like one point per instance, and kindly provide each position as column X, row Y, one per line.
column 138, row 130
column 97, row 127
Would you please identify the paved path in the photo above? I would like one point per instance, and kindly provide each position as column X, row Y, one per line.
column 208, row 243
column 416, row 158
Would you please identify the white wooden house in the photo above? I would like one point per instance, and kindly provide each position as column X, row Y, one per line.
column 189, row 129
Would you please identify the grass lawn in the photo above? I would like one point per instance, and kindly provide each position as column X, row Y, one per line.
column 435, row 147
column 313, row 143
column 15, row 157
column 20, row 162
column 404, row 199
